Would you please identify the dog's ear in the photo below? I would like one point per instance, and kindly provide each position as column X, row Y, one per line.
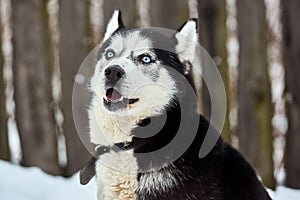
column 187, row 40
column 115, row 23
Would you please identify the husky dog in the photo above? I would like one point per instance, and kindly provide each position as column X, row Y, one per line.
column 134, row 85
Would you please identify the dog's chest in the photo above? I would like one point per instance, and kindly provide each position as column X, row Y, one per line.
column 117, row 176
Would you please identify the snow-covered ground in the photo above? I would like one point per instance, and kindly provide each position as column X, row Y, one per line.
column 19, row 183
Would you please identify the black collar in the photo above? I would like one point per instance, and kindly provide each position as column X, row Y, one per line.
column 88, row 171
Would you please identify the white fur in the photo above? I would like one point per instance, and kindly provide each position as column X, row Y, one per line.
column 160, row 180
column 106, row 128
column 153, row 96
column 117, row 176
column 134, row 41
column 113, row 25
column 187, row 41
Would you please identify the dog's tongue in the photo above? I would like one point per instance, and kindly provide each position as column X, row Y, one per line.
column 113, row 95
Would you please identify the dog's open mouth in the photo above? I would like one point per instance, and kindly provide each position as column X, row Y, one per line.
column 114, row 100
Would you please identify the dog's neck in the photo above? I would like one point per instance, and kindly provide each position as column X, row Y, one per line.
column 138, row 144
column 166, row 126
column 169, row 124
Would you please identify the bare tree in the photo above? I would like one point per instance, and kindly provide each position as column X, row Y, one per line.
column 168, row 13
column 254, row 94
column 213, row 35
column 32, row 82
column 73, row 48
column 128, row 9
column 4, row 147
column 291, row 60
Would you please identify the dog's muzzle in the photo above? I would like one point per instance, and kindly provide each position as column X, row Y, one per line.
column 114, row 100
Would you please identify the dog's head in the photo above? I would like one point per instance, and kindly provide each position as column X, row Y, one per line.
column 133, row 75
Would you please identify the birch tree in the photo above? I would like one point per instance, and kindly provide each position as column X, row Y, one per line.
column 254, row 94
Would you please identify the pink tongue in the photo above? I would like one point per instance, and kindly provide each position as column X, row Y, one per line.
column 114, row 96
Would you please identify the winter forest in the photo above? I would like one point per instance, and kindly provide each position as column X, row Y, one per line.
column 254, row 43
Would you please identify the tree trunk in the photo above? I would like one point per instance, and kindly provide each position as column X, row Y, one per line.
column 32, row 79
column 128, row 9
column 254, row 94
column 4, row 146
column 102, row 10
column 168, row 13
column 291, row 60
column 73, row 48
column 213, row 35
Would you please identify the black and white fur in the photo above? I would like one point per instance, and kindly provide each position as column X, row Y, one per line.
column 222, row 175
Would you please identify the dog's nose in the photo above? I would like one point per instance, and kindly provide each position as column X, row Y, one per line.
column 114, row 73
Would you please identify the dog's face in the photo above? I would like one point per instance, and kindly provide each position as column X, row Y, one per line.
column 133, row 73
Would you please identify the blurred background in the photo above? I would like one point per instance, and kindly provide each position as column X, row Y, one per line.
column 254, row 43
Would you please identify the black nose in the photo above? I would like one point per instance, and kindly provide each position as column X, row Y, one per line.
column 114, row 73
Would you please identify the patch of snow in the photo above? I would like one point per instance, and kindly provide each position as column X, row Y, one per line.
column 31, row 183
column 283, row 193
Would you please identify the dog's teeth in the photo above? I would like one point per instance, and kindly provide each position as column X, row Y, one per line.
column 121, row 99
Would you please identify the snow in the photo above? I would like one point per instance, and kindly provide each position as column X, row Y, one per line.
column 20, row 183
column 31, row 183
column 287, row 193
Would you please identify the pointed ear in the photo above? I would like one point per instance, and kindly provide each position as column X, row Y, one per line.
column 187, row 40
column 114, row 24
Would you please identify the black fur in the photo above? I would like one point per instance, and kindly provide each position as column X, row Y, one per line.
column 222, row 175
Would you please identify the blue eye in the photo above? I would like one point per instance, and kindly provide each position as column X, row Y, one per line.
column 109, row 54
column 146, row 59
